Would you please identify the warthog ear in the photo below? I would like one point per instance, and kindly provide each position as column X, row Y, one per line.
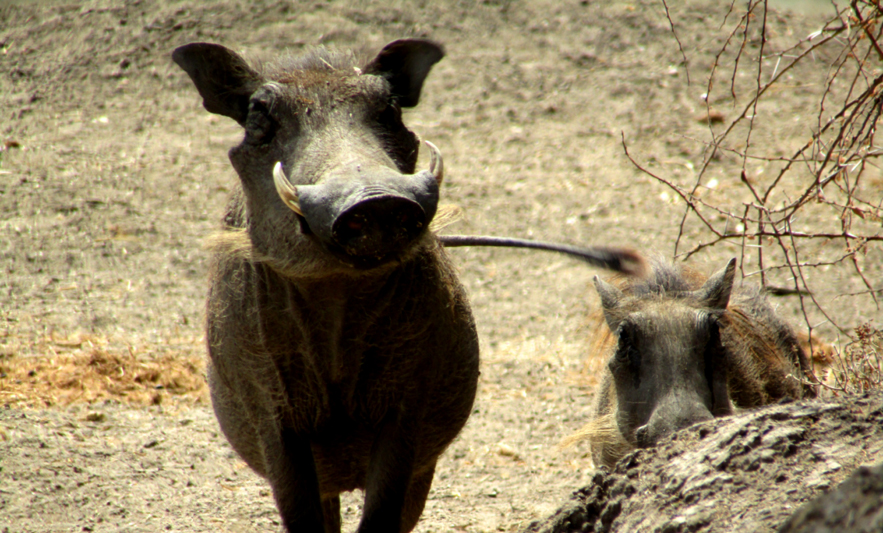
column 222, row 77
column 715, row 293
column 610, row 298
column 405, row 65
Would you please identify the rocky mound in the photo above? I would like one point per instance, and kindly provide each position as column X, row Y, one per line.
column 748, row 472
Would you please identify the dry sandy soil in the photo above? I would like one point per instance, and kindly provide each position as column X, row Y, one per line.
column 114, row 175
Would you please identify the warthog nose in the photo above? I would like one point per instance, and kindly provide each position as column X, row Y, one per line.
column 642, row 437
column 671, row 418
column 378, row 226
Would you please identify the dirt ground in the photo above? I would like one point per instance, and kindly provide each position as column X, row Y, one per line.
column 113, row 175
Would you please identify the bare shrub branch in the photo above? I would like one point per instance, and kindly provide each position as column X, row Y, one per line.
column 817, row 209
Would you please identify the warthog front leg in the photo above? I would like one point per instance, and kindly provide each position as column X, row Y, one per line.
column 390, row 471
column 291, row 471
column 331, row 510
column 415, row 500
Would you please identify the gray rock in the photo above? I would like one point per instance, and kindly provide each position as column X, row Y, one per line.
column 855, row 506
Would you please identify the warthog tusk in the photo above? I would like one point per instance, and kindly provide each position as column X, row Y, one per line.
column 436, row 163
column 286, row 191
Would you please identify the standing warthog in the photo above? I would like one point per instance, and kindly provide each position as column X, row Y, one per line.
column 343, row 350
column 684, row 349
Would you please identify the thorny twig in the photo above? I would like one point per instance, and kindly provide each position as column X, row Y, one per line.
column 671, row 25
column 785, row 223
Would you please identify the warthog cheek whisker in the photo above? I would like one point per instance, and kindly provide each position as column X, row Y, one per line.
column 286, row 190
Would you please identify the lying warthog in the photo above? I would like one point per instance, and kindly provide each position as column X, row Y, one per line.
column 343, row 350
column 684, row 349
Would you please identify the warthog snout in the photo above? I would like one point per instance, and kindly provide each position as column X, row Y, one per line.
column 365, row 218
column 379, row 225
column 670, row 417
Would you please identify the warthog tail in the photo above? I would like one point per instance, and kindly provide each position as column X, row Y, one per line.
column 622, row 260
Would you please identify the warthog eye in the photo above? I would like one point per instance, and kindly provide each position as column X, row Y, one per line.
column 715, row 362
column 627, row 356
column 391, row 115
column 260, row 126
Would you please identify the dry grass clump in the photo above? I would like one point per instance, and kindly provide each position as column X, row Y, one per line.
column 859, row 366
column 98, row 375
